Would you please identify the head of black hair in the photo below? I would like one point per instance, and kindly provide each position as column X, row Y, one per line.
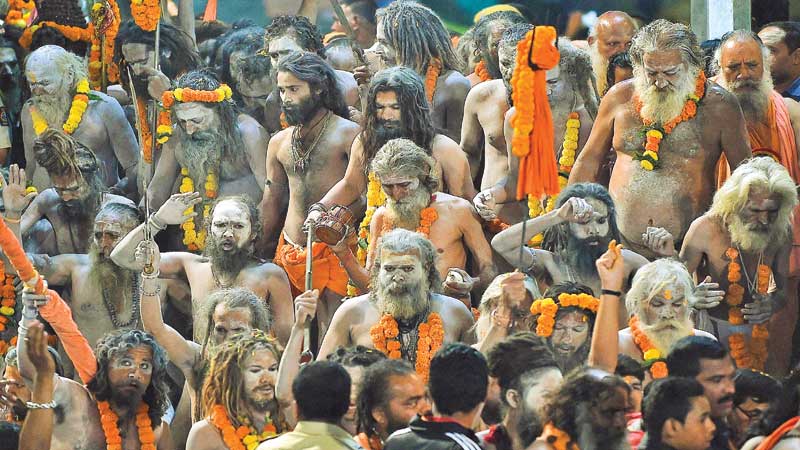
column 684, row 358
column 322, row 392
column 458, row 379
column 668, row 398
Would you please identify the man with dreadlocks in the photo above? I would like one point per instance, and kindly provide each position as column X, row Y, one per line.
column 61, row 99
column 247, row 71
column 486, row 34
column 287, row 34
column 303, row 162
column 71, row 204
column 413, row 36
column 63, row 13
column 239, row 391
column 573, row 105
column 128, row 390
column 214, row 149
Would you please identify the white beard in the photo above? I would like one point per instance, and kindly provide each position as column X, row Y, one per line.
column 411, row 302
column 599, row 67
column 754, row 102
column 53, row 108
column 586, row 435
column 406, row 213
column 663, row 106
column 663, row 336
column 752, row 241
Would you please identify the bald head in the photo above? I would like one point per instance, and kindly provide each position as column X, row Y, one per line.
column 612, row 33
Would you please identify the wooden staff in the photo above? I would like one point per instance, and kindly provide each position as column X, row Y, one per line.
column 307, row 356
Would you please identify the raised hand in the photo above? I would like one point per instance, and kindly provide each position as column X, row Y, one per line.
column 659, row 240
column 148, row 255
column 611, row 267
column 37, row 350
column 305, row 307
column 32, row 301
column 513, row 288
column 485, row 205
column 15, row 197
column 458, row 283
column 707, row 295
column 172, row 211
column 576, row 210
column 157, row 82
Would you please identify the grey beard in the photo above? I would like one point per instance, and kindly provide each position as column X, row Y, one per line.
column 590, row 438
column 109, row 275
column 53, row 108
column 406, row 213
column 407, row 303
column 582, row 257
column 201, row 151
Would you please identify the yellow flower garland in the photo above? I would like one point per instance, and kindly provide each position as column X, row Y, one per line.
column 375, row 199
column 193, row 239
column 80, row 102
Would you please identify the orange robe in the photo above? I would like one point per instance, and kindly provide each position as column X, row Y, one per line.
column 777, row 134
column 778, row 434
column 327, row 272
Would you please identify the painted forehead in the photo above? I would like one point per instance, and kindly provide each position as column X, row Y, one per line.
column 231, row 210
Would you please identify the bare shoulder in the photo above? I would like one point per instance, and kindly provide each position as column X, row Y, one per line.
column 281, row 137
column 454, row 79
column 104, row 101
column 702, row 333
column 704, row 228
column 203, row 436
column 267, row 270
column 448, row 306
column 346, row 79
column 356, row 306
column 718, row 98
column 114, row 198
column 250, row 128
column 619, row 94
column 346, row 128
column 442, row 146
column 794, row 110
column 453, row 203
column 46, row 199
column 481, row 92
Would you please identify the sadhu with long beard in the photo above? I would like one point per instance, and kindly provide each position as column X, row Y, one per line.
column 610, row 36
column 665, row 178
column 743, row 244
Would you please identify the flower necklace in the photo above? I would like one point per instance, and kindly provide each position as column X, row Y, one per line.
column 651, row 355
column 8, row 302
column 196, row 240
column 105, row 19
column 558, row 439
column 427, row 217
column 430, row 337
column 568, row 148
column 654, row 133
column 431, row 77
column 243, row 437
column 163, row 130
column 18, row 12
column 482, row 72
column 755, row 356
column 146, row 13
column 80, row 102
column 109, row 419
column 547, row 309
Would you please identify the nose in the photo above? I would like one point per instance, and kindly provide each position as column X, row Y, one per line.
column 763, row 218
column 661, row 83
column 191, row 128
column 398, row 277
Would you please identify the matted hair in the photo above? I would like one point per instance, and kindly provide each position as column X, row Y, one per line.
column 415, row 111
column 401, row 240
column 224, row 384
column 312, row 69
column 516, row 357
column 61, row 155
column 417, row 35
column 576, row 66
column 118, row 342
column 556, row 238
column 652, row 278
column 401, row 157
column 64, row 60
column 307, row 34
column 662, row 34
column 246, row 204
column 182, row 55
column 482, row 28
column 763, row 174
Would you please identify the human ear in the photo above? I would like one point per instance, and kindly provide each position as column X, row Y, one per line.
column 513, row 398
column 380, row 416
column 590, row 40
column 671, row 428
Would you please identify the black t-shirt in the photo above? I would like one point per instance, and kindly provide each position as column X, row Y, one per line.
column 433, row 435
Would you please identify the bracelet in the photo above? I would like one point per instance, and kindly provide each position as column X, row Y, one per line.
column 34, row 405
column 14, row 221
column 155, row 223
column 611, row 293
column 151, row 294
column 317, row 207
column 151, row 276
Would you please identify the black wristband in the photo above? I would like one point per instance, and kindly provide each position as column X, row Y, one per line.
column 611, row 293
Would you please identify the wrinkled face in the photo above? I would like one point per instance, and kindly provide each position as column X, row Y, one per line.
column 228, row 322
column 138, row 56
column 259, row 373
column 282, row 46
column 384, row 49
column 195, row 117
column 716, row 376
column 664, row 69
column 388, row 109
column 9, row 67
column 570, row 332
column 667, row 309
column 129, row 372
column 398, row 271
column 761, row 211
column 109, row 229
column 608, row 415
column 596, row 227
column 614, row 38
column 636, row 392
column 697, row 429
column 781, row 61
column 399, row 187
column 230, row 225
column 742, row 64
column 46, row 79
column 70, row 189
column 746, row 413
column 407, row 397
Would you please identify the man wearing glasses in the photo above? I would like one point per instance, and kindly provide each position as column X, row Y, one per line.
column 754, row 393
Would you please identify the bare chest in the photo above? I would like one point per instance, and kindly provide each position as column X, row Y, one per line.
column 491, row 116
column 312, row 168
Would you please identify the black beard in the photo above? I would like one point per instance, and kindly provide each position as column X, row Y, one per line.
column 384, row 133
column 75, row 211
column 301, row 112
column 581, row 256
column 140, row 84
column 529, row 426
column 226, row 262
column 577, row 359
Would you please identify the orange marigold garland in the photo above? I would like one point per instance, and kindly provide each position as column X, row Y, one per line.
column 558, row 439
column 431, row 77
column 654, row 133
column 19, row 12
column 73, row 34
column 547, row 308
column 8, row 303
column 568, row 148
column 146, row 13
column 243, row 437
column 650, row 354
column 755, row 356
column 163, row 131
column 385, row 334
column 482, row 72
column 105, row 17
column 109, row 421
column 186, row 95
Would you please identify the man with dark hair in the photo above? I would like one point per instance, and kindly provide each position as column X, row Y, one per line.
column 677, row 416
column 458, row 383
column 355, row 361
column 412, row 35
column 707, row 361
column 526, row 372
column 633, row 373
column 619, row 69
column 13, row 97
column 360, row 15
column 486, row 35
column 322, row 393
column 755, row 392
column 391, row 394
column 783, row 39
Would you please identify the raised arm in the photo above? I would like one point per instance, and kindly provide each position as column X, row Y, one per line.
column 164, row 177
column 456, row 88
column 19, row 216
column 587, row 164
column 455, row 168
column 338, row 333
column 275, row 199
column 57, row 270
column 354, row 183
column 37, row 430
column 605, row 338
column 305, row 307
column 255, row 141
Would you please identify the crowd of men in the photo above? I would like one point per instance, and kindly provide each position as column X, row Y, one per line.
column 242, row 237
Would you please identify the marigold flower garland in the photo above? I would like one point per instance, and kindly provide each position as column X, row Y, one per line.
column 196, row 240
column 482, row 72
column 109, row 420
column 105, row 14
column 431, row 77
column 654, row 133
column 755, row 356
column 243, row 437
column 547, row 309
column 18, row 12
column 385, row 335
column 375, row 199
column 146, row 13
column 80, row 102
column 558, row 439
column 163, row 130
column 72, row 33
column 650, row 354
column 8, row 302
column 568, row 148
column 186, row 95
